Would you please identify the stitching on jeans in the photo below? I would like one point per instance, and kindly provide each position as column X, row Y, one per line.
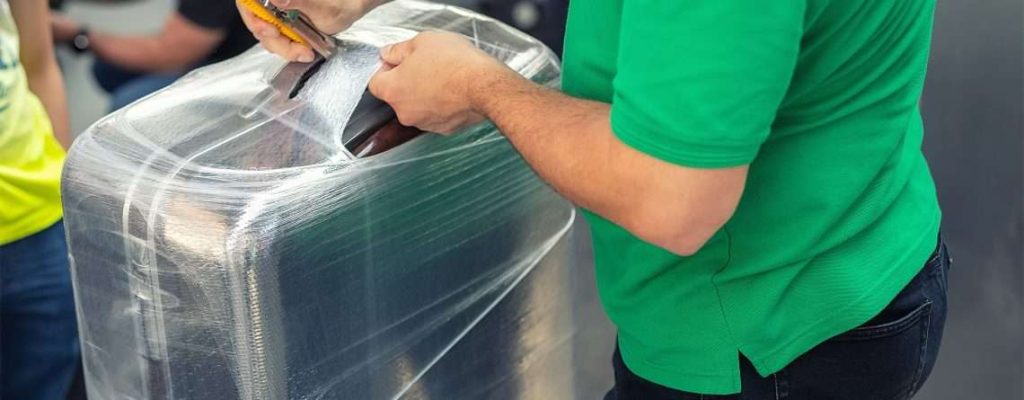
column 775, row 377
column 783, row 383
column 923, row 352
column 926, row 325
column 889, row 328
column 945, row 263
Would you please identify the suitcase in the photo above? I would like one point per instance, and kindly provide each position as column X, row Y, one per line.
column 226, row 248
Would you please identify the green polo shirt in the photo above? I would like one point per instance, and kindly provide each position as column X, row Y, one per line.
column 820, row 98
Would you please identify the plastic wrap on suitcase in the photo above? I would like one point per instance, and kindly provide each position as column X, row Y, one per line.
column 226, row 249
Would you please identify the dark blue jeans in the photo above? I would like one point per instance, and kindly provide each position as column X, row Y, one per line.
column 38, row 333
column 887, row 358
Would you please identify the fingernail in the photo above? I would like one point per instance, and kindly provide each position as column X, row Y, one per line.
column 305, row 58
column 385, row 49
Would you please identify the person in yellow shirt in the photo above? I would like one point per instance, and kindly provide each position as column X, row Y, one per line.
column 38, row 336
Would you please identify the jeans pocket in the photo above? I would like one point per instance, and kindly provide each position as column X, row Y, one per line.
column 878, row 330
column 877, row 361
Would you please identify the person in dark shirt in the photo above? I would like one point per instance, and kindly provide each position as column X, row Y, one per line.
column 129, row 67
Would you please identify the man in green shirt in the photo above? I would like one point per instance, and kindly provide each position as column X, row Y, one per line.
column 765, row 225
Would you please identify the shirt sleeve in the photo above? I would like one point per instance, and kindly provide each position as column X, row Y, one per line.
column 698, row 82
column 212, row 14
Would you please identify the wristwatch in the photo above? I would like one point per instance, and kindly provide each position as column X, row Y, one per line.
column 80, row 42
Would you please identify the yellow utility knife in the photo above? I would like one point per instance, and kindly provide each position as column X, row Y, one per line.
column 293, row 25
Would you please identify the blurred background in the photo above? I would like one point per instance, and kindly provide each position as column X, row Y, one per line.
column 974, row 116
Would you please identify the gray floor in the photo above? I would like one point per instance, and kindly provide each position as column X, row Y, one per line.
column 973, row 105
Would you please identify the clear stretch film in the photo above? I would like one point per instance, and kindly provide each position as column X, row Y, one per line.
column 226, row 250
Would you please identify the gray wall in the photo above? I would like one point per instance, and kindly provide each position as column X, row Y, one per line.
column 972, row 106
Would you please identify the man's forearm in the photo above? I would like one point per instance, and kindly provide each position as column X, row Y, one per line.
column 569, row 142
column 47, row 85
column 136, row 53
column 562, row 138
column 180, row 45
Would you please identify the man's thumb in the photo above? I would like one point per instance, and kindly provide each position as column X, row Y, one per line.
column 379, row 84
column 394, row 54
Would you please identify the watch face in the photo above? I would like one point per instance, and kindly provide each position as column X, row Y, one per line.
column 81, row 42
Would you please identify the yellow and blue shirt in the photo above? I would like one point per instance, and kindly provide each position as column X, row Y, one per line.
column 30, row 156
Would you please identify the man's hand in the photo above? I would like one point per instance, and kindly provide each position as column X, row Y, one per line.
column 64, row 28
column 329, row 16
column 431, row 81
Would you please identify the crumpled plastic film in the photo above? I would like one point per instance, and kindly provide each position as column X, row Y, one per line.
column 227, row 248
